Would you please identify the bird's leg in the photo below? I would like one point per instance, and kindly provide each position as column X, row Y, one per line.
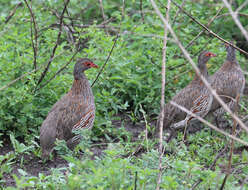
column 185, row 132
column 171, row 135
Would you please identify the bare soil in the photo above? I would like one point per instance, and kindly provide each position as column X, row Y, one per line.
column 33, row 165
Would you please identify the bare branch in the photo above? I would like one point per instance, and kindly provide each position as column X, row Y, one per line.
column 34, row 45
column 236, row 20
column 241, row 6
column 141, row 12
column 231, row 144
column 106, row 60
column 207, row 29
column 163, row 83
column 28, row 73
column 211, row 167
column 102, row 10
column 209, row 124
column 187, row 56
column 56, row 45
column 19, row 78
column 178, row 11
column 183, row 64
column 227, row 14
column 59, row 71
column 209, row 23
column 12, row 13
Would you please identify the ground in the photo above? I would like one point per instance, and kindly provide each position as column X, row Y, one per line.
column 33, row 165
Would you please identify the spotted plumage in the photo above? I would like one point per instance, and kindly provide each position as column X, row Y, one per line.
column 194, row 97
column 228, row 81
column 74, row 111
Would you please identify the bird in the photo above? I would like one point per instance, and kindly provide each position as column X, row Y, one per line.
column 73, row 112
column 228, row 81
column 194, row 97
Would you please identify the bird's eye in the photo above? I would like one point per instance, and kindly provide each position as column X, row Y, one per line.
column 87, row 64
column 207, row 54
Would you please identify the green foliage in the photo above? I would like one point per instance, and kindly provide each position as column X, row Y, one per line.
column 130, row 84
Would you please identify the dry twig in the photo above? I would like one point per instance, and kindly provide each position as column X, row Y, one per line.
column 178, row 11
column 102, row 10
column 207, row 29
column 35, row 38
column 236, row 20
column 19, row 78
column 115, row 40
column 141, row 12
column 187, row 56
column 162, row 94
column 231, row 145
column 211, row 167
column 241, row 6
column 209, row 23
column 12, row 13
column 59, row 71
column 209, row 124
column 56, row 45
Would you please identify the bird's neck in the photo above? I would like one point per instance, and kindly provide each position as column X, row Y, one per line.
column 231, row 57
column 204, row 73
column 81, row 85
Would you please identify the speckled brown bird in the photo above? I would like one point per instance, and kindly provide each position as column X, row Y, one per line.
column 74, row 111
column 229, row 80
column 195, row 95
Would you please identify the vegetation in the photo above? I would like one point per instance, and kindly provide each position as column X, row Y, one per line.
column 127, row 92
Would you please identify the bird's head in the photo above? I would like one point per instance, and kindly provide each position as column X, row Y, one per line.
column 82, row 65
column 204, row 57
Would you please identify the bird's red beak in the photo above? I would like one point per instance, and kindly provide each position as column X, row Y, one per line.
column 94, row 65
column 91, row 64
column 212, row 55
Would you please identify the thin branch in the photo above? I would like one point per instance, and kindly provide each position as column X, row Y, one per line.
column 206, row 83
column 244, row 182
column 12, row 13
column 34, row 45
column 69, row 16
column 163, row 83
column 178, row 11
column 241, row 6
column 227, row 14
column 141, row 11
column 102, row 10
column 211, row 167
column 185, row 63
column 106, row 60
column 209, row 23
column 103, row 15
column 146, row 130
column 236, row 20
column 59, row 71
column 19, row 78
column 56, row 45
column 135, row 180
column 231, row 144
column 209, row 124
column 28, row 73
column 207, row 29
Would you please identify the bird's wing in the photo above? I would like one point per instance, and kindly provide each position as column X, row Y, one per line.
column 86, row 120
column 200, row 106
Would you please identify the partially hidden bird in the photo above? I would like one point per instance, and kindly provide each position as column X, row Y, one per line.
column 228, row 81
column 194, row 97
column 74, row 111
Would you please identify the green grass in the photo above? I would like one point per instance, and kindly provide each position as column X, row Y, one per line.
column 130, row 85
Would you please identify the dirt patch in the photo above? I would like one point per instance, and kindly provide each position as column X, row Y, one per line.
column 33, row 165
